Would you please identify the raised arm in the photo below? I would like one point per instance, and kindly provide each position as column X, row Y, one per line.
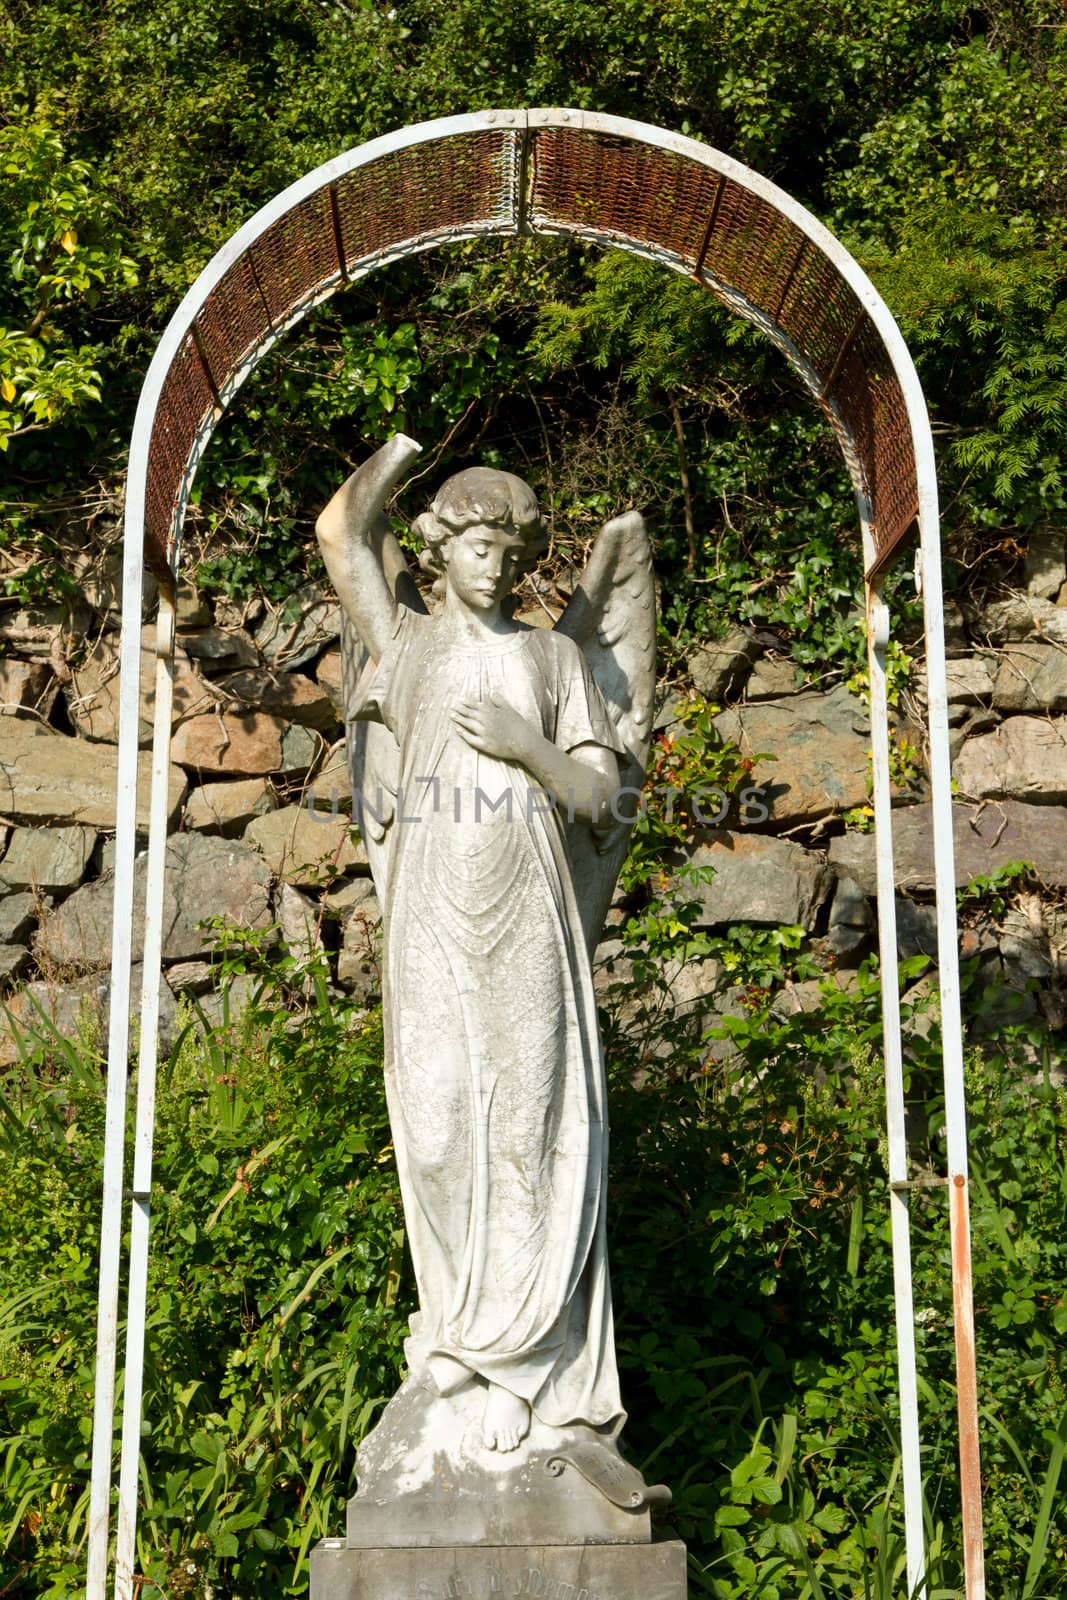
column 350, row 532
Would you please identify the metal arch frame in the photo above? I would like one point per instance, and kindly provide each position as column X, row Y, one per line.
column 929, row 571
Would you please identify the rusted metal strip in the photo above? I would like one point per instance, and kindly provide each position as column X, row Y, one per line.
column 527, row 179
column 254, row 270
column 710, row 229
column 797, row 259
column 206, row 365
column 967, row 1390
column 338, row 237
column 846, row 345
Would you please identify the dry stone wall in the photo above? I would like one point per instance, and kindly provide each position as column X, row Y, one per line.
column 258, row 765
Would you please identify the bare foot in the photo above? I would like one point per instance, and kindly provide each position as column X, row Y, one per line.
column 506, row 1421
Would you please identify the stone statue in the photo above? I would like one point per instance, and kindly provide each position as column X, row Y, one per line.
column 495, row 766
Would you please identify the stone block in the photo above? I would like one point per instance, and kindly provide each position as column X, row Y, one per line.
column 758, row 879
column 1025, row 759
column 288, row 695
column 771, row 678
column 1023, row 616
column 244, row 744
column 1031, row 677
column 92, row 694
column 820, row 745
column 220, row 649
column 986, row 837
column 1045, row 568
column 305, row 848
column 76, row 1010
column 14, row 959
column 521, row 1572
column 722, row 665
column 206, row 877
column 228, row 808
column 301, row 628
column 27, row 684
column 18, row 913
column 53, row 860
column 47, row 776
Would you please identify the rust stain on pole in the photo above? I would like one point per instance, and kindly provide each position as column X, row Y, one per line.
column 967, row 1390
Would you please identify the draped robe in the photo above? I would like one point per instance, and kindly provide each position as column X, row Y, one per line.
column 494, row 1073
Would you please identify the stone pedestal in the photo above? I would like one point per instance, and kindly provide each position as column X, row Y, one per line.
column 512, row 1572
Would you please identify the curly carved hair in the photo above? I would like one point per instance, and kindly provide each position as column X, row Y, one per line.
column 481, row 495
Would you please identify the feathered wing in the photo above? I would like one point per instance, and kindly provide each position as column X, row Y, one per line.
column 612, row 617
column 372, row 752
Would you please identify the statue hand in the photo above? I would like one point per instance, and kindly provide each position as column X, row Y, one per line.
column 494, row 729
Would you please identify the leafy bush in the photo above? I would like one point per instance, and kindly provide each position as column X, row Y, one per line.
column 751, row 1268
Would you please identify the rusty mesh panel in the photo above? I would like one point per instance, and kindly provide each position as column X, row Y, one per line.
column 659, row 199
column 296, row 255
column 428, row 188
column 591, row 180
column 185, row 401
column 868, row 396
column 432, row 188
column 233, row 320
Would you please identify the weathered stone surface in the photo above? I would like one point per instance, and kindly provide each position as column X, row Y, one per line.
column 191, row 609
column 77, row 1010
column 308, row 621
column 1026, row 758
column 359, row 958
column 206, row 877
column 298, row 917
column 353, row 894
column 851, row 919
column 970, row 679
column 228, row 808
column 721, row 665
column 239, row 745
column 423, row 1480
column 18, row 913
column 220, row 648
column 1023, row 616
column 820, row 742
column 50, row 859
column 758, row 879
column 553, row 1572
column 916, row 930
column 328, row 674
column 14, row 960
column 771, row 677
column 92, row 694
column 301, row 748
column 47, row 776
column 1045, row 568
column 332, row 784
column 986, row 837
column 1031, row 677
column 27, row 685
column 284, row 694
column 303, row 848
column 190, row 977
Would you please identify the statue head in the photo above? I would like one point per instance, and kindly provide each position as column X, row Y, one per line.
column 482, row 497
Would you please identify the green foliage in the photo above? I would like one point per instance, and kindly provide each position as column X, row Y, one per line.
column 275, row 1308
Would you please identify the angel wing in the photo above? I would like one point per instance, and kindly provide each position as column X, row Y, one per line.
column 612, row 617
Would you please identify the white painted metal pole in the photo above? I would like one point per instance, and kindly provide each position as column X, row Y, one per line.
column 126, row 1539
column 903, row 1303
column 952, row 1054
column 117, row 1069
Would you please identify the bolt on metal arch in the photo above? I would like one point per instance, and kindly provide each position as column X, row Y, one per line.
column 662, row 196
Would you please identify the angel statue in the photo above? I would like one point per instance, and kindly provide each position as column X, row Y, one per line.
column 497, row 764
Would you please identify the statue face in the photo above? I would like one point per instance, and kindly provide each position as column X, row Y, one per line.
column 480, row 564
